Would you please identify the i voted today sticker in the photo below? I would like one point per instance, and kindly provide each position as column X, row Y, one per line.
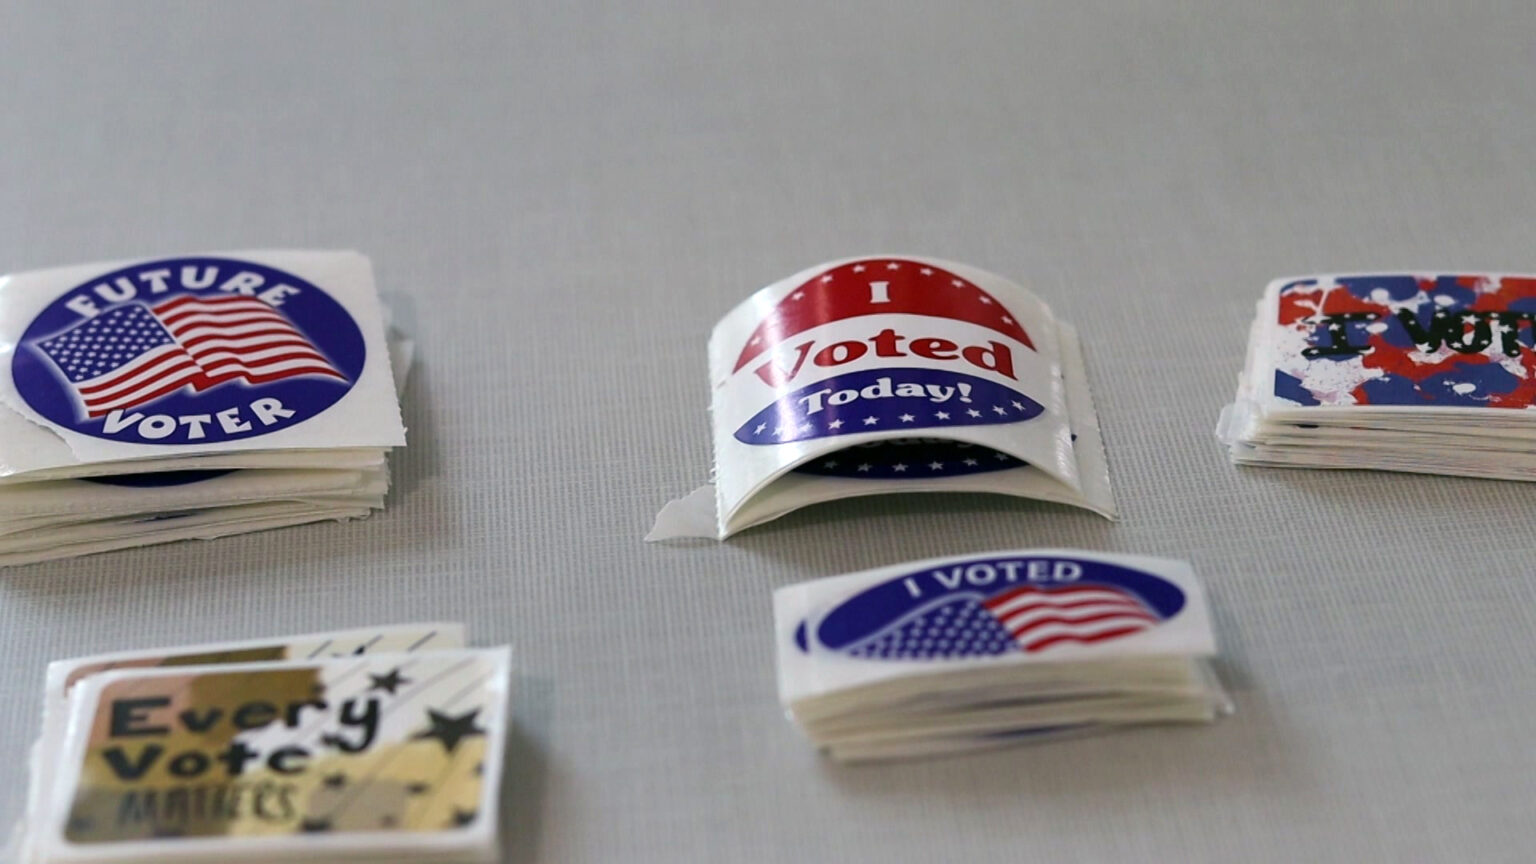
column 887, row 373
column 188, row 350
column 908, row 374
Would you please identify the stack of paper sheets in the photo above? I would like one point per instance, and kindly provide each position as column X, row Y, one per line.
column 959, row 654
column 1421, row 372
column 192, row 397
column 364, row 745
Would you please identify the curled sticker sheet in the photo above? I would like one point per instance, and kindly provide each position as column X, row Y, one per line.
column 892, row 374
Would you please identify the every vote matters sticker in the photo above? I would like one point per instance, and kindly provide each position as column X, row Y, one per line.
column 224, row 351
column 886, row 370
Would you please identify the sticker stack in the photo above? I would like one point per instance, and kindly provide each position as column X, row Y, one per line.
column 960, row 654
column 191, row 397
column 1428, row 373
column 892, row 374
column 377, row 745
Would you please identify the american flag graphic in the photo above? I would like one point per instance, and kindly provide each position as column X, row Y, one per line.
column 1038, row 618
column 137, row 353
column 1030, row 618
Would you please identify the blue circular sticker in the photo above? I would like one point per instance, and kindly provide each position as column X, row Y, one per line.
column 188, row 351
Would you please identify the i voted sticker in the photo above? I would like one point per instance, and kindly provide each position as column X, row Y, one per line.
column 997, row 605
column 199, row 350
column 1050, row 607
column 914, row 342
column 896, row 372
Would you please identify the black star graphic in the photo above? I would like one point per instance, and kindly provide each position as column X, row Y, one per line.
column 315, row 826
column 450, row 730
column 387, row 683
column 417, row 789
column 335, row 781
column 462, row 817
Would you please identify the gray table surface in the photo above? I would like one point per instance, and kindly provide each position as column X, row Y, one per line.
column 560, row 198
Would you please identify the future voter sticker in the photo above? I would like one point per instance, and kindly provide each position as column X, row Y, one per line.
column 996, row 606
column 1461, row 340
column 188, row 351
column 918, row 347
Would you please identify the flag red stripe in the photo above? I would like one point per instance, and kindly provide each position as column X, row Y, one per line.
column 130, row 373
column 144, row 394
column 1071, row 621
column 174, row 380
column 1026, row 604
column 265, row 367
column 260, row 359
column 217, row 343
column 195, row 316
column 1042, row 644
column 194, row 335
column 1075, row 604
column 258, row 354
column 234, row 368
column 226, row 300
column 1051, row 592
column 258, row 375
column 178, row 367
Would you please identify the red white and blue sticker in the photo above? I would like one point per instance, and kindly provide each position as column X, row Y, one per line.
column 1458, row 340
column 187, row 351
column 171, row 356
column 886, row 370
column 1024, row 606
column 882, row 389
column 996, row 605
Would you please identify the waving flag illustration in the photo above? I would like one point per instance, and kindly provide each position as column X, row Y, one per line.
column 1030, row 618
column 136, row 353
column 1038, row 617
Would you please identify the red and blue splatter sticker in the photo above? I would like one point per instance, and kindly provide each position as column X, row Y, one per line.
column 1443, row 340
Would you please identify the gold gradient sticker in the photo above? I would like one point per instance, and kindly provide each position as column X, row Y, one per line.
column 379, row 745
